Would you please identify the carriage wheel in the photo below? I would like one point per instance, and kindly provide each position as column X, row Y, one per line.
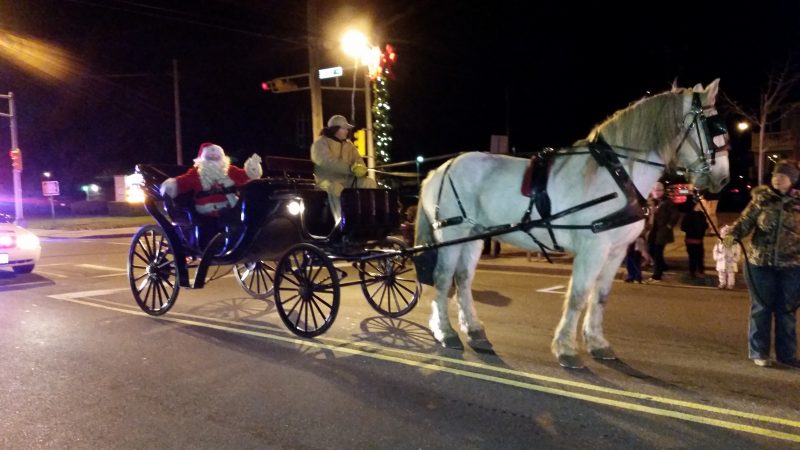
column 152, row 271
column 306, row 290
column 257, row 278
column 389, row 283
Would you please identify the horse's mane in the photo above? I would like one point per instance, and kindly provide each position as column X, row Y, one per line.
column 650, row 123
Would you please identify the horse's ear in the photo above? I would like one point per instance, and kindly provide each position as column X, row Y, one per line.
column 697, row 88
column 674, row 88
column 711, row 92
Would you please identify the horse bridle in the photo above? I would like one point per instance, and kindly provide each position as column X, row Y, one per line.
column 710, row 127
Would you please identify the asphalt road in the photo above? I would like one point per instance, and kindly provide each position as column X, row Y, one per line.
column 82, row 367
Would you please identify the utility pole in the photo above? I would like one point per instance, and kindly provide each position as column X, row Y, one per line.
column 18, row 217
column 313, row 68
column 176, row 93
column 368, row 128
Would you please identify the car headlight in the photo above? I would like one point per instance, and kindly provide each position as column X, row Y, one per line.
column 27, row 241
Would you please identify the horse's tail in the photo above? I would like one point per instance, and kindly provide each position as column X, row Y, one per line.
column 423, row 230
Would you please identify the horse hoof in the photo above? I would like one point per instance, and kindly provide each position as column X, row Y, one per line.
column 479, row 342
column 453, row 342
column 604, row 353
column 570, row 361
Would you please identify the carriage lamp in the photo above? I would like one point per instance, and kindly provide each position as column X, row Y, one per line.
column 295, row 207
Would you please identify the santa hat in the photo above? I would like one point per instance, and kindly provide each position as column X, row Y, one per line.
column 204, row 145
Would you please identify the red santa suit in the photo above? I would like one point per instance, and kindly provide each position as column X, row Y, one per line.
column 213, row 180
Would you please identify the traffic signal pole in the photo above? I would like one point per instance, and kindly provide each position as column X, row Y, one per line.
column 368, row 119
column 17, row 172
column 313, row 66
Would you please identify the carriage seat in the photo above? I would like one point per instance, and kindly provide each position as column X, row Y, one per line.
column 288, row 168
column 369, row 214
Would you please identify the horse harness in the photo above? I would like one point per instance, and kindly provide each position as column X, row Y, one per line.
column 635, row 209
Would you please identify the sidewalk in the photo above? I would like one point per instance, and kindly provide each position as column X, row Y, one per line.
column 512, row 259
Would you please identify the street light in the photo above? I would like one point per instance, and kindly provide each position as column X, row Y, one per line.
column 742, row 126
column 354, row 43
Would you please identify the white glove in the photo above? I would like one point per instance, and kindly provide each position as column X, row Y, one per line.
column 169, row 187
column 252, row 167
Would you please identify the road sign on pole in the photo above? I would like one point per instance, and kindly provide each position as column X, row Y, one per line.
column 330, row 72
column 50, row 188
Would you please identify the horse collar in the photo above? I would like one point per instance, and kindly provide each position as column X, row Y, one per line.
column 636, row 207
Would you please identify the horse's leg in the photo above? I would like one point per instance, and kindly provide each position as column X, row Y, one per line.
column 584, row 274
column 467, row 316
column 443, row 282
column 593, row 338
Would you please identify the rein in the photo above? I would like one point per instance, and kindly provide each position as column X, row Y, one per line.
column 635, row 208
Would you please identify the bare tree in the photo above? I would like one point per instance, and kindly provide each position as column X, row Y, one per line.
column 773, row 106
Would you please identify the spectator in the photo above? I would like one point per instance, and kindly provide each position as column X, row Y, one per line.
column 727, row 256
column 772, row 271
column 663, row 217
column 694, row 225
column 637, row 252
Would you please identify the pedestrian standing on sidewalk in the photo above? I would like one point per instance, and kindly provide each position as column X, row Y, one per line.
column 727, row 258
column 636, row 253
column 694, row 225
column 772, row 267
column 663, row 217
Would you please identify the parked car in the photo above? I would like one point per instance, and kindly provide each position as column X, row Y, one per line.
column 735, row 196
column 680, row 193
column 19, row 248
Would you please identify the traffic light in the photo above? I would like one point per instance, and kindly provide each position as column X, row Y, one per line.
column 279, row 85
column 360, row 140
column 16, row 159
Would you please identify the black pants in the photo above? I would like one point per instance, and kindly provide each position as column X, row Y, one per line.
column 696, row 254
column 659, row 265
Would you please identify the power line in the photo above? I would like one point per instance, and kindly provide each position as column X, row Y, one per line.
column 186, row 19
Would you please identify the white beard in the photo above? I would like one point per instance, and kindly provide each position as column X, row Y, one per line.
column 214, row 172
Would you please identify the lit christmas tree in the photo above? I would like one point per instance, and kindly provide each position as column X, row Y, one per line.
column 381, row 111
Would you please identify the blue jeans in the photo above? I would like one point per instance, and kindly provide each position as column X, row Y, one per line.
column 773, row 292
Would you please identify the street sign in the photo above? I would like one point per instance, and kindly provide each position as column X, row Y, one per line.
column 331, row 72
column 50, row 188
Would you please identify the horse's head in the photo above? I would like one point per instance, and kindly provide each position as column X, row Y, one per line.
column 702, row 149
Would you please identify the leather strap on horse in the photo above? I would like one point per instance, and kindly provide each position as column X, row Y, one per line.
column 636, row 208
column 456, row 220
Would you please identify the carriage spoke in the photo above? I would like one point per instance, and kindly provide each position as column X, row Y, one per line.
column 144, row 284
column 322, row 301
column 379, row 288
column 143, row 258
column 412, row 292
column 299, row 300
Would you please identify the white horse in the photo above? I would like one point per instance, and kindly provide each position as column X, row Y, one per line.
column 477, row 191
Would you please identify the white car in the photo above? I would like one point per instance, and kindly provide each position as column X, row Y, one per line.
column 19, row 248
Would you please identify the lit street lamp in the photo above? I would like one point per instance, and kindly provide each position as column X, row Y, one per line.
column 742, row 126
column 354, row 44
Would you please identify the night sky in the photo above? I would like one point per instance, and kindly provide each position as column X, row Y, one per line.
column 465, row 70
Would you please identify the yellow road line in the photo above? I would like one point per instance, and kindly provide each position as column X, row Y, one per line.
column 495, row 379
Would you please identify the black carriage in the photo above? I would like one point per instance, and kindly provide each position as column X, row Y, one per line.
column 281, row 240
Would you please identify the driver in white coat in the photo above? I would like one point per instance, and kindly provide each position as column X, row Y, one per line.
column 337, row 164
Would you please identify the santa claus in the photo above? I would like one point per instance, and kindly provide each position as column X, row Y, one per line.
column 213, row 179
